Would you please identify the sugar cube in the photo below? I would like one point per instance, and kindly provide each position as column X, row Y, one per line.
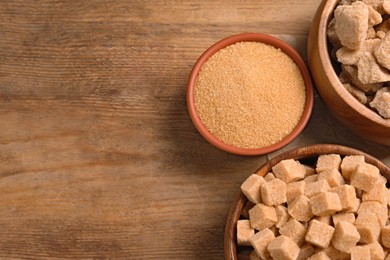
column 283, row 248
column 251, row 188
column 368, row 227
column 364, row 176
column 345, row 236
column 360, row 253
column 347, row 196
column 262, row 216
column 332, row 176
column 300, row 208
column 244, row 232
column 327, row 162
column 294, row 230
column 289, row 170
column 283, row 216
column 294, row 189
column 273, row 192
column 260, row 241
column 344, row 216
column 349, row 164
column 385, row 235
column 315, row 188
column 325, row 203
column 319, row 234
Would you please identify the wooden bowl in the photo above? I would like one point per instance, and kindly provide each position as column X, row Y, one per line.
column 267, row 39
column 360, row 119
column 307, row 155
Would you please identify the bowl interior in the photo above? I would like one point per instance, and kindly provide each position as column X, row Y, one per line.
column 307, row 155
column 328, row 62
column 267, row 39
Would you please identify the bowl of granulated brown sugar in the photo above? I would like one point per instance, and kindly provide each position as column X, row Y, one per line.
column 250, row 94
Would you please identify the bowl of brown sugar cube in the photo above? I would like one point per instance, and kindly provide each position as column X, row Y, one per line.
column 349, row 58
column 316, row 202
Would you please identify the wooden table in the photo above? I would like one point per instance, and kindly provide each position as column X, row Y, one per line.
column 98, row 157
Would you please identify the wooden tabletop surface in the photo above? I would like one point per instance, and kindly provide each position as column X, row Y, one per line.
column 98, row 156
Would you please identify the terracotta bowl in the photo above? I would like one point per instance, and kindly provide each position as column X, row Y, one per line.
column 307, row 155
column 267, row 39
column 360, row 119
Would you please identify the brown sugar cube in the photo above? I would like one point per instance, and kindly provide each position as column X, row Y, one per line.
column 245, row 210
column 385, row 235
column 381, row 102
column 345, row 236
column 269, row 177
column 306, row 251
column 382, row 53
column 377, row 5
column 294, row 230
column 355, row 206
column 319, row 256
column 374, row 207
column 327, row 162
column 386, row 6
column 325, row 203
column 251, row 188
column 368, row 227
column 273, row 192
column 244, row 232
column 347, row 196
column 311, row 179
column 380, row 34
column 317, row 187
column 360, row 253
column 300, row 209
column 377, row 193
column 382, row 179
column 345, row 216
column 352, row 73
column 283, row 216
column 351, row 18
column 283, row 248
column 357, row 93
column 369, row 71
column 260, row 241
column 325, row 219
column 376, row 251
column 364, row 176
column 319, row 234
column 374, row 17
column 262, row 216
column 309, row 170
column 254, row 256
column 333, row 253
column 295, row 189
column 348, row 56
column 289, row 170
column 349, row 164
column 332, row 176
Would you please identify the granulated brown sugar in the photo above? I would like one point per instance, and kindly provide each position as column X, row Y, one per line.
column 250, row 95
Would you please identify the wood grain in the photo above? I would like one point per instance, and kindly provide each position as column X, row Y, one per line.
column 98, row 157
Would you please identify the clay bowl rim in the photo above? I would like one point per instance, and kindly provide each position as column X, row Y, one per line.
column 267, row 39
column 300, row 153
column 362, row 110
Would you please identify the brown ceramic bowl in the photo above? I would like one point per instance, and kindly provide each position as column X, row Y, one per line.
column 307, row 155
column 267, row 39
column 360, row 119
